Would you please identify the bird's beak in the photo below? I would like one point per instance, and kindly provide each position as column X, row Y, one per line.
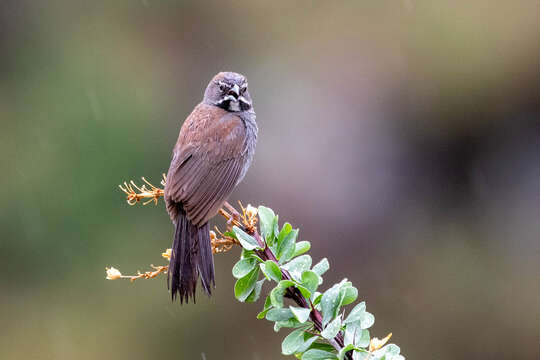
column 235, row 91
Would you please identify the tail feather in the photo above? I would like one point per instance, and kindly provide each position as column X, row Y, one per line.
column 191, row 258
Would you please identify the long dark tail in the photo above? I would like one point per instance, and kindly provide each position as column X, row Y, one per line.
column 191, row 257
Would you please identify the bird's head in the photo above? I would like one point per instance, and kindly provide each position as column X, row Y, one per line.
column 229, row 91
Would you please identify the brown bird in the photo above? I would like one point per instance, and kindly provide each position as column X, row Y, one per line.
column 213, row 153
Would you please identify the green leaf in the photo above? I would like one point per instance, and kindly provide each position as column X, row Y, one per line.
column 350, row 294
column 310, row 280
column 284, row 284
column 243, row 267
column 279, row 315
column 245, row 285
column 355, row 335
column 301, row 247
column 332, row 329
column 356, row 313
column 267, row 307
column 344, row 351
column 297, row 266
column 266, row 221
column 309, row 339
column 330, row 302
column 250, row 254
column 315, row 354
column 363, row 339
column 322, row 346
column 388, row 352
column 359, row 314
column 276, row 229
column 301, row 314
column 304, row 290
column 256, row 293
column 276, row 295
column 285, row 230
column 246, row 254
column 367, row 320
column 321, row 267
column 247, row 241
column 291, row 323
column 316, row 297
column 292, row 342
column 271, row 270
column 361, row 354
column 286, row 248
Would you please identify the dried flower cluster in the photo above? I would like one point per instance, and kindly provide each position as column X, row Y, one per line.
column 146, row 191
column 115, row 274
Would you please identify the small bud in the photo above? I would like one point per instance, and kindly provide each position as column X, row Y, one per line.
column 251, row 211
column 376, row 344
column 113, row 274
column 167, row 254
column 212, row 235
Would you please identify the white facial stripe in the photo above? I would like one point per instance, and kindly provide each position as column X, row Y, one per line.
column 244, row 100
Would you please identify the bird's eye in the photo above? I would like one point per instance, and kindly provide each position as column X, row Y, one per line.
column 223, row 87
column 243, row 90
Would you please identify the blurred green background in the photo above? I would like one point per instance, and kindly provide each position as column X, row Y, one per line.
column 401, row 137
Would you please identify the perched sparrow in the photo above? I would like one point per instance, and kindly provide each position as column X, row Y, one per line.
column 212, row 155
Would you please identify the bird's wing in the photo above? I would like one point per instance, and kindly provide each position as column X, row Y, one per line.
column 207, row 162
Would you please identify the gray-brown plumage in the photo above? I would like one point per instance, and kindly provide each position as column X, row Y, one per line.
column 213, row 152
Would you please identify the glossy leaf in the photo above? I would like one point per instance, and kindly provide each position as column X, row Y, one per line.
column 344, row 351
column 350, row 294
column 276, row 295
column 362, row 354
column 292, row 342
column 287, row 246
column 309, row 339
column 291, row 323
column 321, row 267
column 243, row 267
column 304, row 290
column 330, row 302
column 266, row 221
column 388, row 352
column 332, row 329
column 301, row 314
column 271, row 270
column 354, row 334
column 267, row 307
column 285, row 230
column 245, row 285
column 301, row 247
column 297, row 266
column 360, row 315
column 279, row 314
column 247, row 241
column 310, row 280
column 315, row 354
column 256, row 293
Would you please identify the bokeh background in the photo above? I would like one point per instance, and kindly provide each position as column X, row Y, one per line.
column 401, row 137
